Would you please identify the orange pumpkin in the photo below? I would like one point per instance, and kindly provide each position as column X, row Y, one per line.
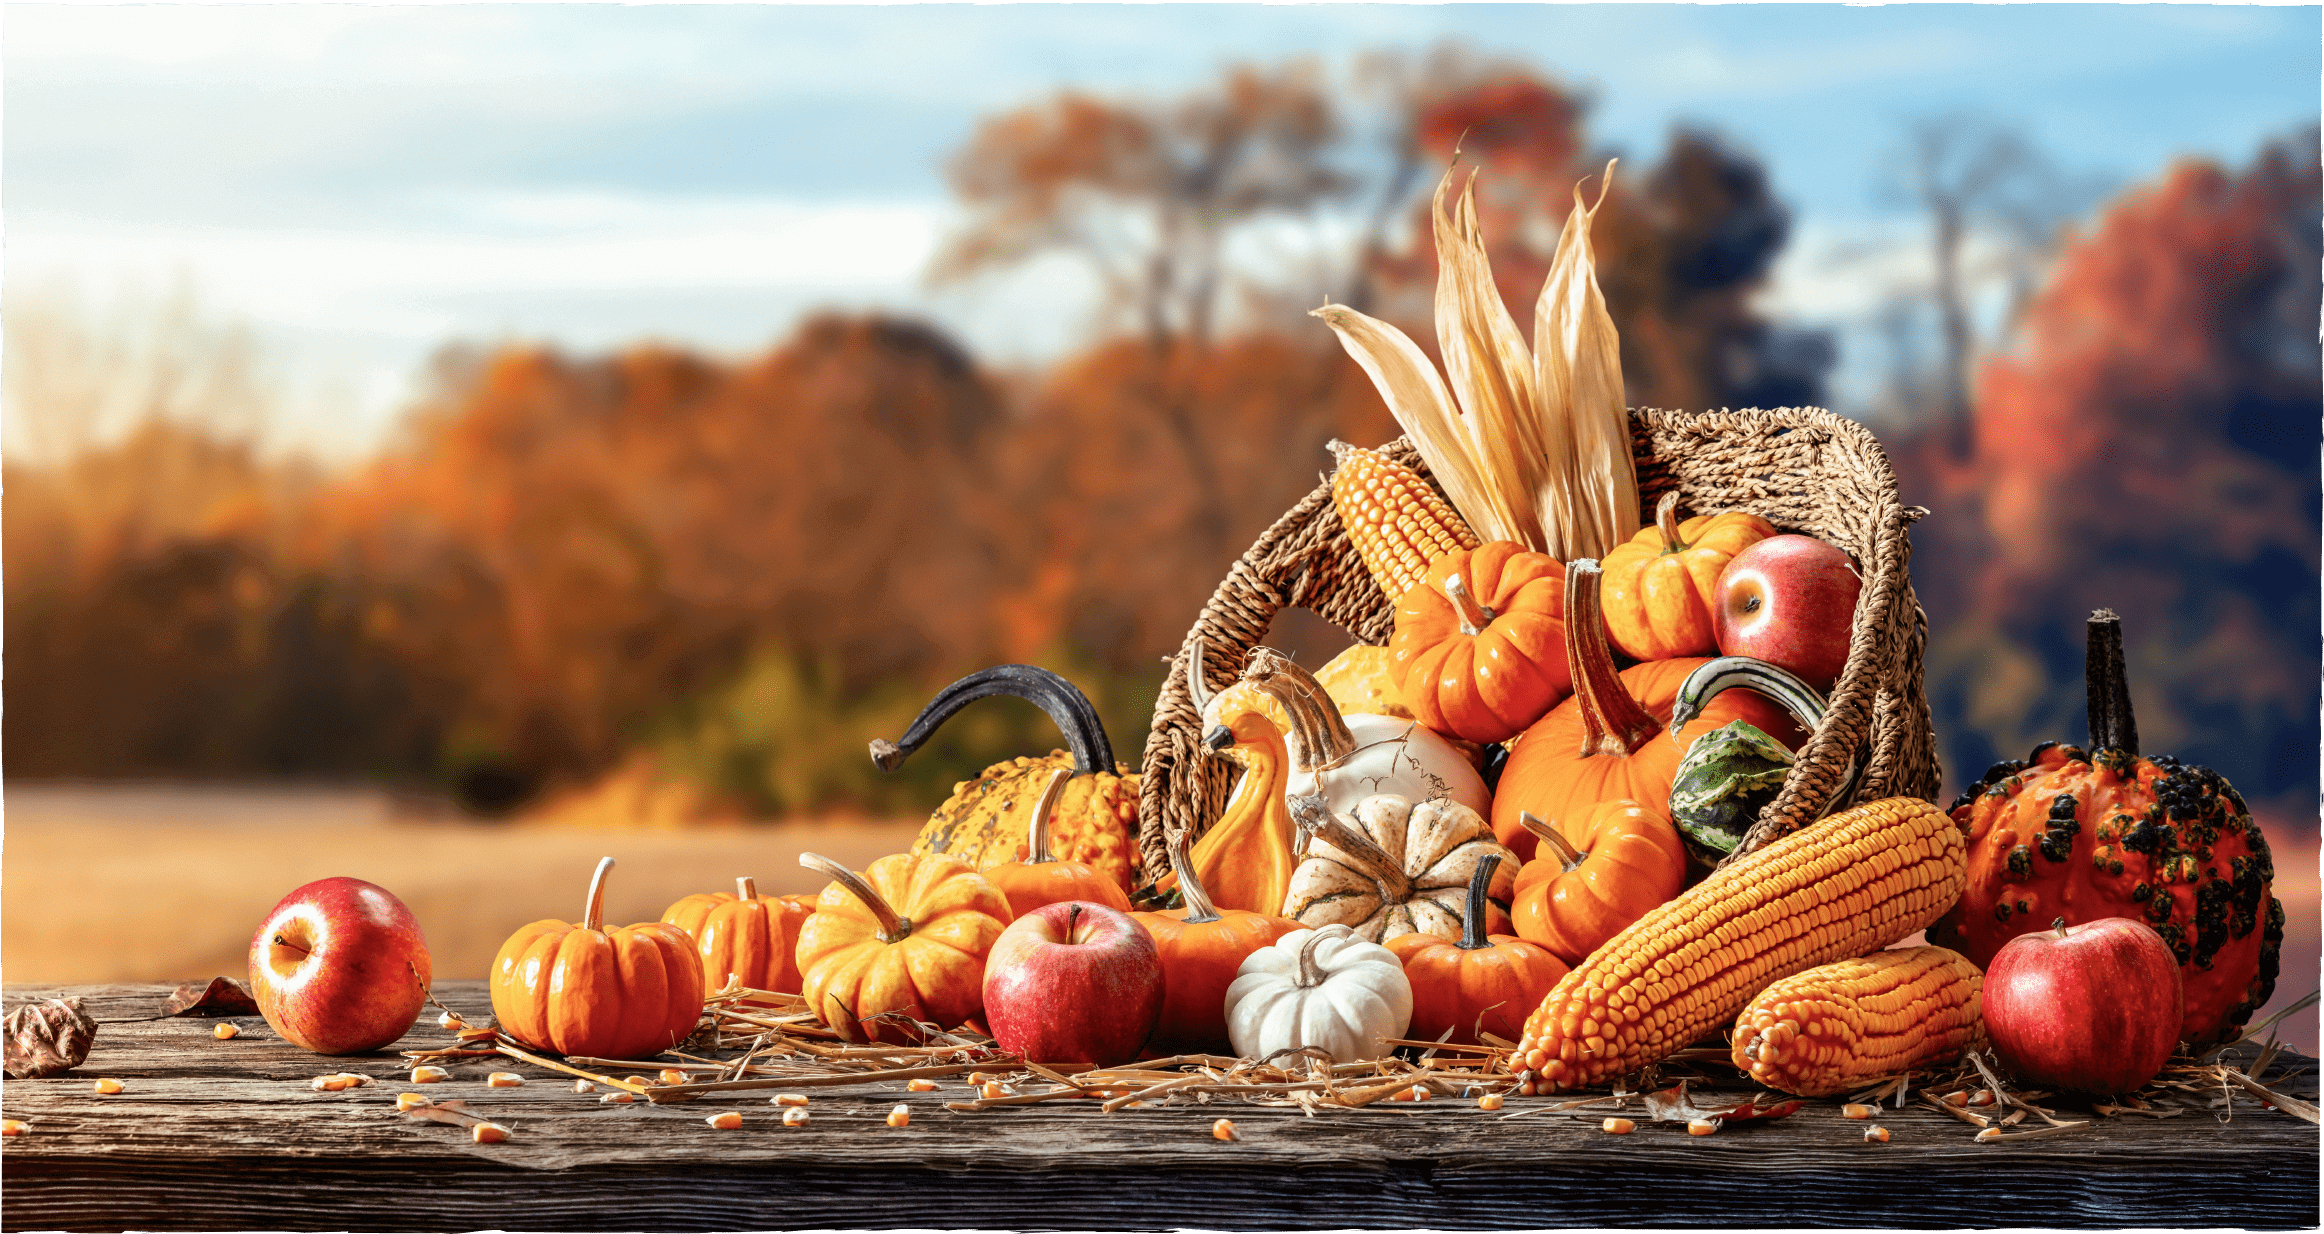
column 908, row 935
column 1040, row 878
column 1662, row 586
column 1479, row 651
column 623, row 993
column 1489, row 982
column 1601, row 870
column 1607, row 742
column 744, row 937
column 1202, row 947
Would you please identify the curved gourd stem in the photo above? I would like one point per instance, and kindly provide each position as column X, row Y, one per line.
column 1779, row 686
column 1360, row 849
column 1474, row 616
column 746, row 889
column 2112, row 727
column 1311, row 974
column 1199, row 908
column 1560, row 847
column 593, row 913
column 1075, row 716
column 1196, row 690
column 1666, row 522
column 894, row 927
column 1037, row 831
column 1612, row 721
column 1473, row 936
column 1318, row 737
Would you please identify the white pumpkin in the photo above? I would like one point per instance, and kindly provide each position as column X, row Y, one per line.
column 1397, row 868
column 1347, row 758
column 1323, row 988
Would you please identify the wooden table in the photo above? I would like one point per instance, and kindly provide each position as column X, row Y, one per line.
column 216, row 1134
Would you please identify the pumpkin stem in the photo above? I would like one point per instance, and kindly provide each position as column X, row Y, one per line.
column 1395, row 884
column 1612, row 722
column 1473, row 936
column 894, row 928
column 1199, row 907
column 1311, row 974
column 1319, row 737
column 1196, row 691
column 2112, row 727
column 593, row 914
column 746, row 889
column 1037, row 832
column 1567, row 855
column 1076, row 717
column 1666, row 521
column 1474, row 617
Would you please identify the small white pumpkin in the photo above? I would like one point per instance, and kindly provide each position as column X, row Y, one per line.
column 1323, row 988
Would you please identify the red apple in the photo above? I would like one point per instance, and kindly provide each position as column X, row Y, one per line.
column 1073, row 982
column 340, row 967
column 2094, row 1008
column 1789, row 600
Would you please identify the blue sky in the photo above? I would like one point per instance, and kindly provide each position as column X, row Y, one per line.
column 364, row 183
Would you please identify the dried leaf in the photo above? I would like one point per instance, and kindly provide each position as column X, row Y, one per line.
column 47, row 1038
column 1489, row 369
column 1580, row 360
column 1417, row 397
column 1677, row 1105
column 223, row 996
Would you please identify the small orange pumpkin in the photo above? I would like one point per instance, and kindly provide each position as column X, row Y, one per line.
column 1040, row 878
column 1202, row 947
column 1479, row 651
column 623, row 993
column 908, row 935
column 1662, row 586
column 1489, row 982
column 1596, row 873
column 744, row 937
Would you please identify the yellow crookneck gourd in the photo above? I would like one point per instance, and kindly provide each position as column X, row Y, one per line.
column 1245, row 858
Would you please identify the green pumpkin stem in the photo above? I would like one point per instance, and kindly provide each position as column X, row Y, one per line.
column 1473, row 914
column 894, row 927
column 1612, row 722
column 593, row 913
column 2112, row 727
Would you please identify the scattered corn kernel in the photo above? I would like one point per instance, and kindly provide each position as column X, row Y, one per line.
column 1702, row 1126
column 406, row 1101
column 1853, row 1110
column 1402, row 1094
column 1422, row 1092
column 14, row 1127
column 794, row 1117
column 108, row 1087
column 725, row 1122
column 1956, row 1097
column 623, row 1097
column 1982, row 1097
column 993, row 1089
column 791, row 1099
column 1876, row 1135
column 226, row 1032
column 921, row 1086
column 1224, row 1130
column 449, row 1019
column 1490, row 1101
column 504, row 1079
column 334, row 1083
column 584, row 1086
column 1617, row 1126
column 901, row 1116
column 671, row 1075
column 983, row 1077
column 488, row 1133
column 430, row 1075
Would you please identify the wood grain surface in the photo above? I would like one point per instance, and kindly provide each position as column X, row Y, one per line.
column 213, row 1134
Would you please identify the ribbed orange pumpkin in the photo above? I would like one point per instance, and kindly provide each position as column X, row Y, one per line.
column 1482, row 981
column 1662, row 586
column 744, row 937
column 908, row 935
column 1202, row 946
column 1479, row 652
column 1607, row 742
column 1609, row 865
column 623, row 993
column 1040, row 878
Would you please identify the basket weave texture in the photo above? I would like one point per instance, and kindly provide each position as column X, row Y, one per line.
column 1803, row 469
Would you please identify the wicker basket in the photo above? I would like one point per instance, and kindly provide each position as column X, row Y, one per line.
column 1803, row 469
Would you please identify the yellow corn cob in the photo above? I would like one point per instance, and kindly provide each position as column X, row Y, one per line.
column 1834, row 1028
column 1833, row 890
column 1396, row 521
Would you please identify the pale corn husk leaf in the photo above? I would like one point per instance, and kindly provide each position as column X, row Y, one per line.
column 1579, row 361
column 1489, row 369
column 1417, row 397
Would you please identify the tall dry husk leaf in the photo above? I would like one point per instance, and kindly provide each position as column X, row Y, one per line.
column 1491, row 373
column 1579, row 361
column 1416, row 396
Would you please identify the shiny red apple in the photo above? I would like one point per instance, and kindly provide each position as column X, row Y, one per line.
column 1073, row 982
column 2093, row 1008
column 1789, row 600
column 340, row 967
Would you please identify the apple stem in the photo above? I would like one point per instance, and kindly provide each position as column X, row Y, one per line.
column 1474, row 616
column 1072, row 915
column 746, row 889
column 1666, row 521
column 593, row 913
column 1037, row 831
column 894, row 927
column 1612, row 722
column 2060, row 926
column 1567, row 855
column 1473, row 936
column 1199, row 908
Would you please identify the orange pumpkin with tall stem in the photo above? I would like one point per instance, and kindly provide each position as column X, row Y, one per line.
column 744, row 936
column 1489, row 982
column 909, row 936
column 1040, row 878
column 1661, row 588
column 583, row 989
column 1605, row 868
column 1202, row 947
column 1607, row 742
column 1479, row 650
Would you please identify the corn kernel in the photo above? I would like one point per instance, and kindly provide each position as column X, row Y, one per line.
column 901, row 1116
column 108, row 1087
column 407, row 1101
column 1702, row 1126
column 1956, row 1098
column 1224, row 1130
column 1876, row 1135
column 1402, row 1094
column 621, row 1097
column 226, row 1032
column 1982, row 1097
column 983, row 1077
column 1422, row 1092
column 14, row 1127
column 790, row 1099
column 584, row 1086
column 1490, row 1101
column 353, row 1080
column 1853, row 1110
column 671, row 1075
column 449, row 1020
column 430, row 1075
column 921, row 1086
column 488, row 1133
column 794, row 1117
column 332, row 1083
column 1617, row 1126
column 725, row 1122
column 504, row 1079
column 992, row 1089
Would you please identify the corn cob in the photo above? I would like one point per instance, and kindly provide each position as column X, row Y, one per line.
column 1837, row 1027
column 1833, row 890
column 1394, row 518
